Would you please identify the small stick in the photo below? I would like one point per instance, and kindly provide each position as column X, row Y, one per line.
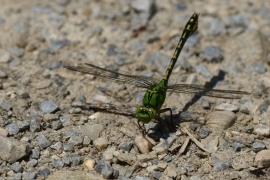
column 183, row 148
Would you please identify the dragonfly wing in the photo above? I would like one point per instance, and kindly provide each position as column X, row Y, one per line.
column 139, row 81
column 206, row 91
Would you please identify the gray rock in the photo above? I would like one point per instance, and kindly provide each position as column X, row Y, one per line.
column 167, row 158
column 141, row 178
column 35, row 154
column 58, row 164
column 42, row 141
column 56, row 45
column 31, row 163
column 54, row 65
column 48, row 106
column 123, row 178
column 44, row 172
column 16, row 168
column 68, row 148
column 263, row 106
column 56, row 20
column 137, row 46
column 220, row 165
column 64, row 119
column 29, row 176
column 66, row 160
column 41, row 9
column 15, row 50
column 213, row 26
column 70, row 133
column 226, row 107
column 5, row 105
column 12, row 150
column 204, row 132
column 258, row 146
column 236, row 20
column 112, row 50
column 56, row 125
column 56, row 146
column 122, row 59
column 126, row 146
column 75, row 141
column 75, row 159
column 23, row 125
column 193, row 127
column 156, row 174
column 158, row 59
column 12, row 129
column 92, row 130
column 201, row 69
column 86, row 141
column 5, row 58
column 237, row 145
column 3, row 74
column 180, row 6
column 35, row 125
column 256, row 67
column 212, row 54
column 104, row 168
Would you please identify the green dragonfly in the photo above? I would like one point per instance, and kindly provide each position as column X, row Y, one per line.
column 155, row 94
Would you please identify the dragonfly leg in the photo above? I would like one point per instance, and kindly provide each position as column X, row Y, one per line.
column 165, row 110
column 141, row 128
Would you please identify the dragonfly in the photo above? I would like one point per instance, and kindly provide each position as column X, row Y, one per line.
column 155, row 94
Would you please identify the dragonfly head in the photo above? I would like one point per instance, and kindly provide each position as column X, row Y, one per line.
column 145, row 114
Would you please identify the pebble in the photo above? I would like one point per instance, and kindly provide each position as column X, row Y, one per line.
column 44, row 172
column 6, row 105
column 15, row 50
column 126, row 146
column 66, row 160
column 5, row 58
column 203, row 70
column 127, row 158
column 226, row 107
column 86, row 141
column 73, row 175
column 219, row 164
column 56, row 125
column 92, row 131
column 100, row 143
column 90, row 164
column 237, row 145
column 75, row 141
column 12, row 129
column 143, row 145
column 212, row 54
column 204, row 132
column 48, row 106
column 57, row 145
column 16, row 168
column 58, row 164
column 141, row 178
column 56, row 45
column 158, row 60
column 171, row 171
column 23, row 125
column 104, row 168
column 35, row 125
column 45, row 83
column 43, row 141
column 75, row 159
column 262, row 159
column 220, row 120
column 35, row 154
column 258, row 146
column 31, row 163
column 262, row 130
column 29, row 176
column 3, row 74
column 12, row 150
column 68, row 147
column 122, row 59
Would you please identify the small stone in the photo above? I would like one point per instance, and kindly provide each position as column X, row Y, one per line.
column 75, row 159
column 141, row 178
column 92, row 130
column 12, row 129
column 50, row 117
column 171, row 171
column 41, row 9
column 56, row 125
column 23, row 125
column 56, row 45
column 6, row 58
column 212, row 54
column 256, row 67
column 226, row 107
column 156, row 174
column 35, row 125
column 237, row 145
column 104, row 168
column 201, row 69
column 142, row 144
column 66, row 160
column 29, row 176
column 204, row 131
column 108, row 154
column 258, row 146
column 58, row 164
column 220, row 120
column 75, row 141
column 35, row 154
column 16, row 168
column 5, row 104
column 70, row 133
column 56, row 146
column 31, row 163
column 3, row 132
column 44, row 172
column 167, row 158
column 122, row 59
column 48, row 107
column 220, row 165
column 86, row 141
column 100, row 143
column 128, row 158
column 262, row 130
column 16, row 51
column 68, row 148
column 42, row 141
column 90, row 164
column 262, row 159
column 43, row 84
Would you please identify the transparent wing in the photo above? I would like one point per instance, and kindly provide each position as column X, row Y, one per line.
column 205, row 91
column 139, row 81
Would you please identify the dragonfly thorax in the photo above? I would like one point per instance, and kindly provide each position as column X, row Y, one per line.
column 145, row 114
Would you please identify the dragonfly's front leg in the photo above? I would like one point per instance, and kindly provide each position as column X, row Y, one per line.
column 165, row 110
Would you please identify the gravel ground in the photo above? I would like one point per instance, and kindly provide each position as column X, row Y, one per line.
column 46, row 131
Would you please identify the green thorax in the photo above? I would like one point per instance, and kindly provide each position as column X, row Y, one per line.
column 155, row 96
